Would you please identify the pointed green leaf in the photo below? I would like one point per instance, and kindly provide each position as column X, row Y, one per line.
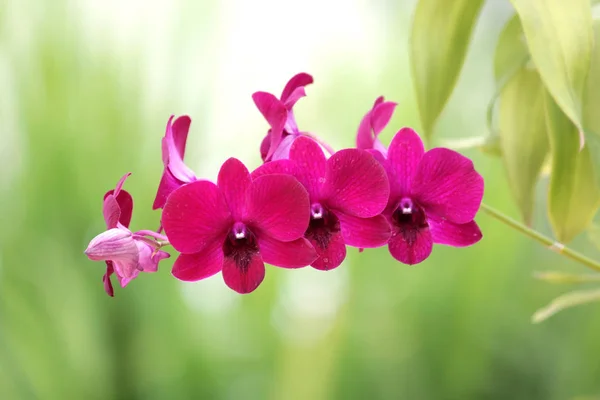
column 591, row 104
column 560, row 39
column 510, row 57
column 437, row 55
column 489, row 144
column 511, row 51
column 565, row 301
column 523, row 136
column 565, row 278
column 573, row 196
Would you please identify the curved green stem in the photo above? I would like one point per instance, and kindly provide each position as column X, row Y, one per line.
column 163, row 243
column 543, row 239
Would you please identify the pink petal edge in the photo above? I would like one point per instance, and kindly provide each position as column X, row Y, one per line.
column 356, row 183
column 195, row 215
column 447, row 185
column 201, row 265
column 244, row 279
column 295, row 254
column 278, row 205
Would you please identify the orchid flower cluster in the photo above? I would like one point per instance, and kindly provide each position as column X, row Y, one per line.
column 303, row 206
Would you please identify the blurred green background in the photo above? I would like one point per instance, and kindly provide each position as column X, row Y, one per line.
column 86, row 88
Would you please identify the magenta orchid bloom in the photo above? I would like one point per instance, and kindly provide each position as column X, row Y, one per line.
column 175, row 173
column 347, row 193
column 434, row 197
column 371, row 126
column 125, row 253
column 279, row 114
column 237, row 225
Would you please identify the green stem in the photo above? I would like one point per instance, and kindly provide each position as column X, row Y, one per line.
column 163, row 243
column 545, row 240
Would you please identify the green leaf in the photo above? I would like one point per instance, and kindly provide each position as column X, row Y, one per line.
column 591, row 104
column 565, row 278
column 565, row 301
column 511, row 51
column 489, row 144
column 559, row 35
column 510, row 57
column 523, row 136
column 437, row 55
column 574, row 196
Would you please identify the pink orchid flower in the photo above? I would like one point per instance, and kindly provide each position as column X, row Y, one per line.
column 371, row 126
column 237, row 225
column 175, row 173
column 279, row 114
column 434, row 197
column 125, row 253
column 347, row 193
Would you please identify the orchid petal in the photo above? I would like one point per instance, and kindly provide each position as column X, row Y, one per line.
column 274, row 167
column 404, row 154
column 356, row 183
column 290, row 94
column 276, row 115
column 295, row 254
column 380, row 156
column 108, row 287
column 201, row 265
column 381, row 116
column 168, row 183
column 149, row 257
column 331, row 255
column 373, row 123
column 311, row 165
column 175, row 143
column 364, row 232
column 411, row 249
column 456, row 235
column 278, row 205
column 195, row 215
column 179, row 130
column 283, row 150
column 234, row 181
column 244, row 278
column 111, row 211
column 164, row 144
column 113, row 244
column 124, row 279
column 447, row 185
column 121, row 183
column 124, row 203
column 264, row 146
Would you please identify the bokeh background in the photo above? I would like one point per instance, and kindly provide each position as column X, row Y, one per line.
column 86, row 88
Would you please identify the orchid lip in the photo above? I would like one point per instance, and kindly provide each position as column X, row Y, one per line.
column 409, row 218
column 241, row 245
column 323, row 224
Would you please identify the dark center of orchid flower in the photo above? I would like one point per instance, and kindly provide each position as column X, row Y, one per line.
column 409, row 219
column 240, row 245
column 322, row 225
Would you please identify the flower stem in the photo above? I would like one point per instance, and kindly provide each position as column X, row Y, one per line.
column 545, row 240
column 153, row 234
column 163, row 243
